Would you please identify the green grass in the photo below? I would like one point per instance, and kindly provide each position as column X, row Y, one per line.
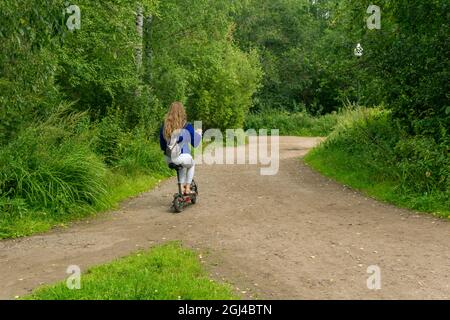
column 168, row 272
column 122, row 187
column 369, row 154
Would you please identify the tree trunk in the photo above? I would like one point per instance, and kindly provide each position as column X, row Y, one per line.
column 140, row 31
column 148, row 49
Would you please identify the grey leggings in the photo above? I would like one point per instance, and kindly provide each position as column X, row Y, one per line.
column 188, row 170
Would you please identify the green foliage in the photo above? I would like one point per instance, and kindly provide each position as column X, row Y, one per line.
column 167, row 272
column 196, row 61
column 27, row 33
column 404, row 66
column 286, row 34
column 307, row 47
column 223, row 91
column 98, row 68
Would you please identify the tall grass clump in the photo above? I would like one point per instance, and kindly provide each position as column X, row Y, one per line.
column 141, row 154
column 371, row 151
column 125, row 151
column 49, row 173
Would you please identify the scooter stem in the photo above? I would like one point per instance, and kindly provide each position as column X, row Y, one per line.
column 179, row 184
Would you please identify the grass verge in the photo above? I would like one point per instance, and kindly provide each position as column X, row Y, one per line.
column 120, row 187
column 168, row 272
column 370, row 154
column 341, row 167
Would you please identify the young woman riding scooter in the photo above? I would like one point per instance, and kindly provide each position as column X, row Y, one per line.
column 176, row 136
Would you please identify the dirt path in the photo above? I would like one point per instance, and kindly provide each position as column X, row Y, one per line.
column 295, row 235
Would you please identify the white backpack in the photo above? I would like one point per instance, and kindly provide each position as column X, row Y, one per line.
column 173, row 149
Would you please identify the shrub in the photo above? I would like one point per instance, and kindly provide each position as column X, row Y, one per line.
column 295, row 124
column 224, row 88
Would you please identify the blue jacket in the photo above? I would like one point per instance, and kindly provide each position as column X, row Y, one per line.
column 188, row 137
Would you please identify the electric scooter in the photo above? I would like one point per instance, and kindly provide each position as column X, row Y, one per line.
column 180, row 200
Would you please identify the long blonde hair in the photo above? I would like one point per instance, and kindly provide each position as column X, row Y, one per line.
column 175, row 119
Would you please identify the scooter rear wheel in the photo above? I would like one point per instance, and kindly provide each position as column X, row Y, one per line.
column 194, row 187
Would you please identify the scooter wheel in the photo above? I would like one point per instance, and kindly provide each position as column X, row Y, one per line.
column 194, row 199
column 178, row 204
column 194, row 187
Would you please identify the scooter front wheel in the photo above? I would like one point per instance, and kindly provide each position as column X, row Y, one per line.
column 178, row 204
